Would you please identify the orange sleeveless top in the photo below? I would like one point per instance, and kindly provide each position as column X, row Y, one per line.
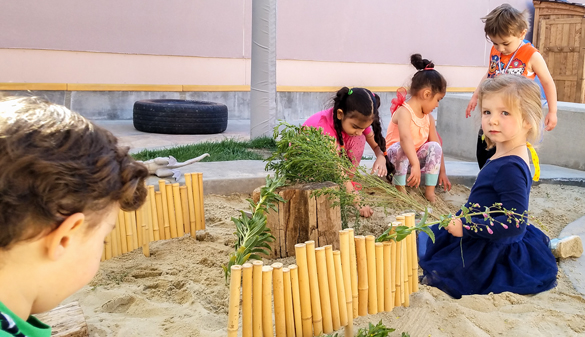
column 419, row 129
column 501, row 64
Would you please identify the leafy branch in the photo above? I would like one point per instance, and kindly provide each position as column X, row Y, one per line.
column 378, row 330
column 252, row 235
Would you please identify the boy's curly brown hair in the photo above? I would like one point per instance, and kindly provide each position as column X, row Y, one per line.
column 504, row 21
column 54, row 163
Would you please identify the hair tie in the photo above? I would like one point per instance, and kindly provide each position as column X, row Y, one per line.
column 429, row 68
column 350, row 92
column 399, row 100
column 535, row 161
column 385, row 153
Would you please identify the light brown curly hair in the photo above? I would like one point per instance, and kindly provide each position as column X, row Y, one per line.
column 55, row 163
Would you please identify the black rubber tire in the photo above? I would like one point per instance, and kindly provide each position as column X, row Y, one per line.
column 178, row 116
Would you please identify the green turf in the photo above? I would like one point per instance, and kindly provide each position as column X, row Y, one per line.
column 225, row 150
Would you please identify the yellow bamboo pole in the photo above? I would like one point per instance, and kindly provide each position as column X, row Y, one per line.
column 171, row 208
column 339, row 287
column 138, row 226
column 296, row 297
column 362, row 267
column 128, row 222
column 160, row 214
column 323, row 282
column 257, row 298
column 165, row 207
column 178, row 210
column 405, row 284
column 353, row 271
column 288, row 303
column 345, row 269
column 372, row 278
column 185, row 208
column 108, row 247
column 278, row 294
column 234, row 305
column 380, row 275
column 135, row 229
column 146, row 242
column 190, row 207
column 154, row 213
column 409, row 217
column 267, row 329
column 144, row 228
column 196, row 202
column 247, row 300
column 304, row 287
column 394, row 262
column 409, row 260
column 122, row 237
column 333, row 294
column 148, row 214
column 388, row 280
column 315, row 294
column 201, row 204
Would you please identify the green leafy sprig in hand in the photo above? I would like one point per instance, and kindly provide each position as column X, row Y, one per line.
column 398, row 233
column 252, row 235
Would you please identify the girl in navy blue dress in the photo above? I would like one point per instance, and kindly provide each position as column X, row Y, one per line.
column 503, row 256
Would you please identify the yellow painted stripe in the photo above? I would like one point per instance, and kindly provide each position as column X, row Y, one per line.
column 160, row 87
column 33, row 86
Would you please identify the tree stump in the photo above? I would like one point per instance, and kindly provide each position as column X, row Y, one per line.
column 66, row 321
column 302, row 218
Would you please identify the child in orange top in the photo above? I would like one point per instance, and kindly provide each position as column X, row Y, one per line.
column 412, row 139
column 506, row 27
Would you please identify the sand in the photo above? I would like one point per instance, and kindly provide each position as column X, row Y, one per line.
column 180, row 290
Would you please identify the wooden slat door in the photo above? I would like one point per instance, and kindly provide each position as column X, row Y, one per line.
column 561, row 43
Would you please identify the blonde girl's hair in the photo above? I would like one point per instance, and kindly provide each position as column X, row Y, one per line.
column 521, row 96
column 504, row 21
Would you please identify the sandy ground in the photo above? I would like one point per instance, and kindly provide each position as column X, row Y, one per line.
column 180, row 289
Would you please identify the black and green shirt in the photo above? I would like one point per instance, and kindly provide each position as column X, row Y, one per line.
column 14, row 326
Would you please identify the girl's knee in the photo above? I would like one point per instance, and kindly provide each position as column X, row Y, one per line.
column 436, row 147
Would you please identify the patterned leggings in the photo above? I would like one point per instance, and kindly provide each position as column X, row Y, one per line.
column 429, row 156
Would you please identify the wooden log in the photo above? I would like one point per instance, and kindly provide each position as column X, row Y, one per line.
column 66, row 321
column 302, row 218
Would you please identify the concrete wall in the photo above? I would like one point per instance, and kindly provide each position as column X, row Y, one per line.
column 563, row 146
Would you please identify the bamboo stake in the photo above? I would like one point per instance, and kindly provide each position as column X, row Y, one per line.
column 405, row 284
column 165, row 208
column 314, row 284
column 138, row 226
column 185, row 208
column 189, row 185
column 333, row 294
column 247, row 300
column 278, row 290
column 148, row 215
column 345, row 269
column 304, row 288
column 388, row 280
column 160, row 214
column 353, row 272
column 122, row 237
column 257, row 298
column 394, row 262
column 144, row 228
column 196, row 202
column 380, row 275
column 234, row 306
column 339, row 287
column 135, row 229
column 409, row 217
column 178, row 210
column 154, row 213
column 201, row 205
column 288, row 303
column 145, row 242
column 108, row 247
column 362, row 268
column 171, row 208
column 323, row 282
column 128, row 222
column 267, row 329
column 409, row 261
column 296, row 297
column 372, row 279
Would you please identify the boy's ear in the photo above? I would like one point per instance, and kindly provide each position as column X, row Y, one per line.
column 339, row 114
column 59, row 239
column 523, row 34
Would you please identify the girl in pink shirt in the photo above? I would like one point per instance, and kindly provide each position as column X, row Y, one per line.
column 352, row 121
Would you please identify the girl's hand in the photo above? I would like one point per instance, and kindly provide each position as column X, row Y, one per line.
column 366, row 211
column 414, row 178
column 444, row 181
column 455, row 228
column 380, row 166
column 550, row 121
column 471, row 106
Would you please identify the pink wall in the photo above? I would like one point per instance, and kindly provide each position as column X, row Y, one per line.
column 370, row 31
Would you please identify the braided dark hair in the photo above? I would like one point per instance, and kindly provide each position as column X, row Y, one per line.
column 363, row 101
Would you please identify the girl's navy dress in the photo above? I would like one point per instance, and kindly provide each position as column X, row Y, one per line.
column 516, row 259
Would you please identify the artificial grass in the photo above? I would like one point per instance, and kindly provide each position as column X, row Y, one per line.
column 225, row 150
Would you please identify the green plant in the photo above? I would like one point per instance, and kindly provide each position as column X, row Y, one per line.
column 252, row 235
column 378, row 330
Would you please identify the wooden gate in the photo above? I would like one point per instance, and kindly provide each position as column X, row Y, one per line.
column 559, row 38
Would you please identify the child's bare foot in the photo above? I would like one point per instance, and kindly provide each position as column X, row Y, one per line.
column 430, row 193
column 401, row 188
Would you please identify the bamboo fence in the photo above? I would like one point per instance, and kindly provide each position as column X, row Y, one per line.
column 316, row 295
column 170, row 212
